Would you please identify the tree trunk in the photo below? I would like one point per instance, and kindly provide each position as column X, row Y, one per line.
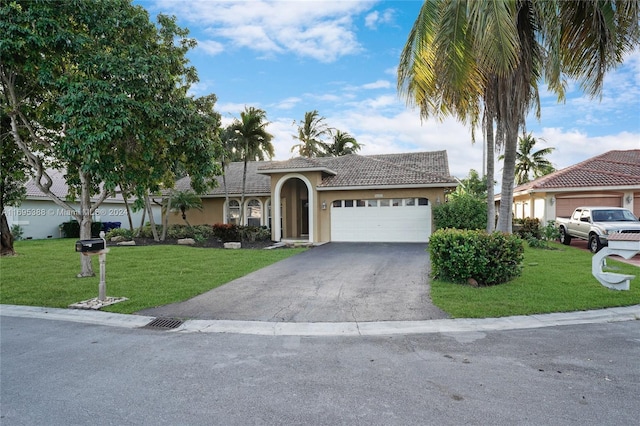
column 152, row 221
column 506, row 198
column 6, row 247
column 226, row 193
column 84, row 219
column 165, row 216
column 490, row 157
column 126, row 205
column 244, row 180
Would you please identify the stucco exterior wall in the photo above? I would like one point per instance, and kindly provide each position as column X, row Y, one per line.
column 41, row 219
column 213, row 211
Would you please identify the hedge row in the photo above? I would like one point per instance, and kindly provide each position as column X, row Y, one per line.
column 460, row 255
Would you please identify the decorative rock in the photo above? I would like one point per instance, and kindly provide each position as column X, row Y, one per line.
column 118, row 239
column 186, row 241
column 233, row 245
column 472, row 282
column 127, row 243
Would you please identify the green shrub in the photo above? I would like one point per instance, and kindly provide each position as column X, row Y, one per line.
column 17, row 232
column 255, row 233
column 119, row 232
column 529, row 227
column 145, row 231
column 226, row 232
column 462, row 212
column 460, row 255
column 71, row 229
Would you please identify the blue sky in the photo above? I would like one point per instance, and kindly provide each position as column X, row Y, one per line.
column 340, row 58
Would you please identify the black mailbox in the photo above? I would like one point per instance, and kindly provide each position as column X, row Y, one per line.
column 90, row 246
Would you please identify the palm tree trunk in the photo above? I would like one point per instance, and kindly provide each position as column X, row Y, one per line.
column 244, row 181
column 508, row 172
column 491, row 206
column 226, row 191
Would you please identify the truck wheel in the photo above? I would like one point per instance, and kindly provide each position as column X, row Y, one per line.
column 564, row 237
column 594, row 244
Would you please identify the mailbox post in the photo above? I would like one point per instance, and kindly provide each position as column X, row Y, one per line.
column 97, row 246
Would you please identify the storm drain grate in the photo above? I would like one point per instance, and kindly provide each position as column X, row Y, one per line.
column 164, row 323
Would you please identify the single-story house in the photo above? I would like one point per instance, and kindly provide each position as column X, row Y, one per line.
column 40, row 218
column 384, row 198
column 611, row 179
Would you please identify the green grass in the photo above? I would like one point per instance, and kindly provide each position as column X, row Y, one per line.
column 43, row 273
column 552, row 281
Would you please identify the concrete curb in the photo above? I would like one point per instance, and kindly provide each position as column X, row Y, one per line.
column 376, row 328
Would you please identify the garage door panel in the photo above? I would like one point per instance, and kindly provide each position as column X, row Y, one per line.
column 381, row 224
column 566, row 206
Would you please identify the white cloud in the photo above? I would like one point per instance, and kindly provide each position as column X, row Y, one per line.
column 375, row 18
column 380, row 84
column 320, row 30
column 210, row 47
column 287, row 103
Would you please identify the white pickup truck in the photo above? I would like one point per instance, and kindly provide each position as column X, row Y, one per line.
column 595, row 224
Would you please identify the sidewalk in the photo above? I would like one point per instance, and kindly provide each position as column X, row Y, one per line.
column 374, row 328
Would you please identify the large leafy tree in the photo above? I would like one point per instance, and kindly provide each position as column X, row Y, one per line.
column 251, row 141
column 484, row 60
column 312, row 132
column 101, row 92
column 342, row 144
column 12, row 179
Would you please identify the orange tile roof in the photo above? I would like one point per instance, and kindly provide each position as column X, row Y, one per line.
column 613, row 168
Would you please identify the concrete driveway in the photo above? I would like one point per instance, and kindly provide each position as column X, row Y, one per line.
column 336, row 282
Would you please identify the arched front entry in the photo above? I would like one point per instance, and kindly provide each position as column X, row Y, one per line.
column 304, row 209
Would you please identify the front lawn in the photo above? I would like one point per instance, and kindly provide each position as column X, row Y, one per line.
column 43, row 273
column 552, row 281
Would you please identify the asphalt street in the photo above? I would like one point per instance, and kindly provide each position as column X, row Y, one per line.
column 56, row 372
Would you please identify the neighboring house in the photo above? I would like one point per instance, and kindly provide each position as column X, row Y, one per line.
column 385, row 198
column 40, row 218
column 611, row 179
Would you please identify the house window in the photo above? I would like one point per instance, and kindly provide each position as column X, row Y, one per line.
column 423, row 202
column 360, row 203
column 234, row 211
column 372, row 203
column 396, row 202
column 384, row 203
column 348, row 203
column 409, row 202
column 254, row 213
column 337, row 203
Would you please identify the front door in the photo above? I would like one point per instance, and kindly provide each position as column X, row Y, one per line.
column 304, row 217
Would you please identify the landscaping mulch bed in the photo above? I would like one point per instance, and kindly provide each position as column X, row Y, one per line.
column 209, row 243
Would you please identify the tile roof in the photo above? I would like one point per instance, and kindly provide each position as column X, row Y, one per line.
column 256, row 183
column 58, row 187
column 613, row 168
column 419, row 168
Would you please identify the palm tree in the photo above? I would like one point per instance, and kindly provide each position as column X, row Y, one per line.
column 528, row 162
column 230, row 154
column 253, row 142
column 181, row 201
column 311, row 132
column 343, row 144
column 464, row 58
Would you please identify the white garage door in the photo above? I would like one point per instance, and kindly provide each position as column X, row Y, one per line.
column 381, row 220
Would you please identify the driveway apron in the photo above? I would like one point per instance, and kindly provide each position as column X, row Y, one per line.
column 335, row 282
